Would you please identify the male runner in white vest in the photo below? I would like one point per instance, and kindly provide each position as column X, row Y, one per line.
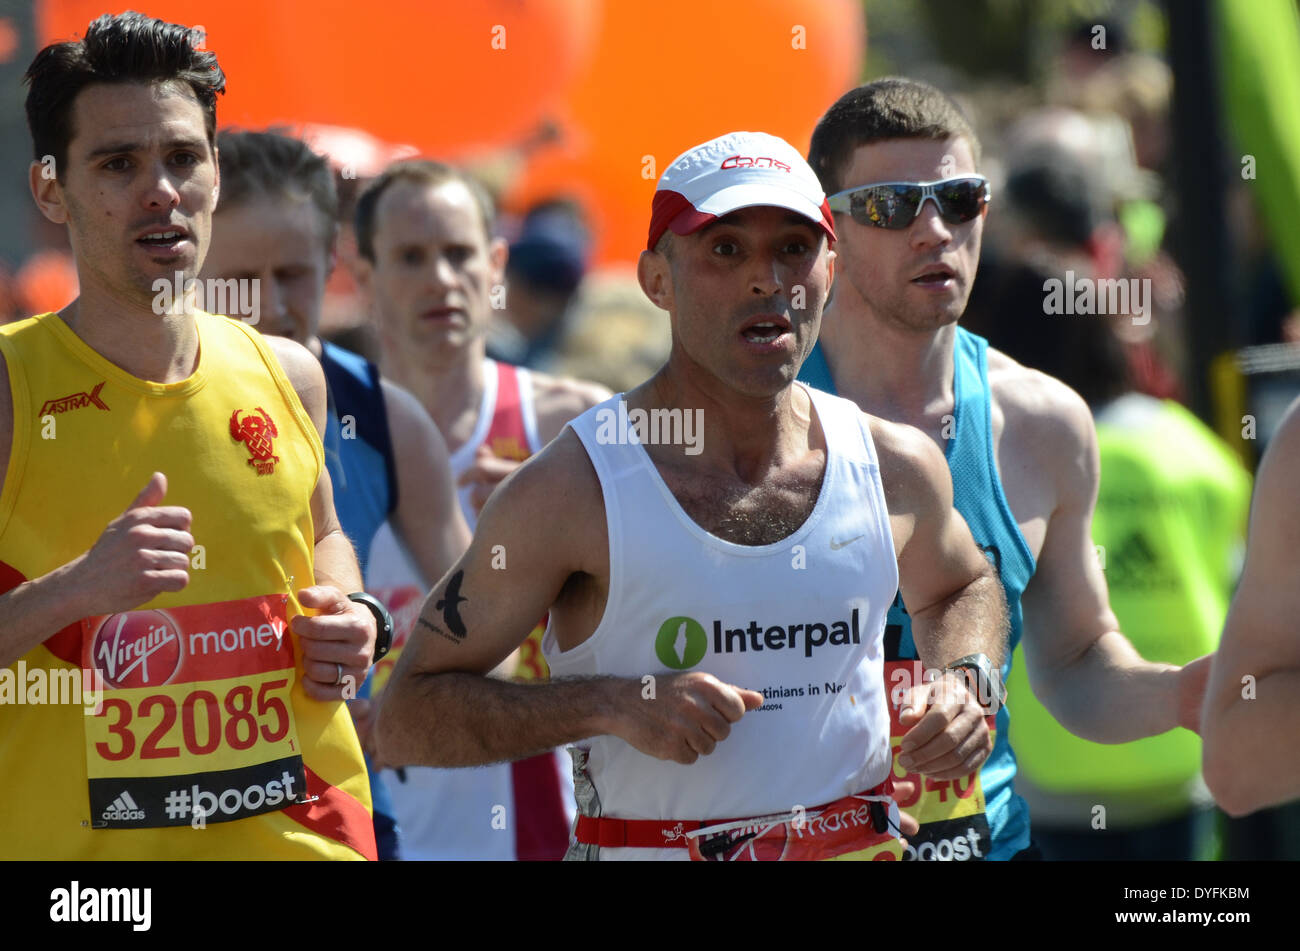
column 717, row 582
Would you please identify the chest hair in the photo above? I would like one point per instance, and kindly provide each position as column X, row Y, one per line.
column 745, row 514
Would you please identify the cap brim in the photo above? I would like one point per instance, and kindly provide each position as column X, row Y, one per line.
column 736, row 197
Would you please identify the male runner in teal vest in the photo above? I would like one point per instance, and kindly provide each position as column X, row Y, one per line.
column 1020, row 445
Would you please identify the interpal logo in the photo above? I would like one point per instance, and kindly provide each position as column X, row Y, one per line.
column 683, row 641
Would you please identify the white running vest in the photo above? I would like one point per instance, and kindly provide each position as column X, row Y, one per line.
column 800, row 620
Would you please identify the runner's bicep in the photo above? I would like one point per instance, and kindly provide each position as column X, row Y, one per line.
column 493, row 596
column 940, row 557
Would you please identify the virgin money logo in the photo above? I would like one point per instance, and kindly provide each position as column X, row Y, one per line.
column 137, row 649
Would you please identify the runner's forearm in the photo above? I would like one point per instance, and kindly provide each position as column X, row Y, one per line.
column 459, row 719
column 1248, row 765
column 1109, row 694
column 36, row 610
column 971, row 621
column 335, row 563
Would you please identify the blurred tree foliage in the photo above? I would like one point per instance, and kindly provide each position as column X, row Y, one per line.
column 995, row 39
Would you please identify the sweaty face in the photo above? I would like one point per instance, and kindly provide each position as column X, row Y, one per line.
column 282, row 243
column 139, row 186
column 434, row 269
column 746, row 294
column 918, row 278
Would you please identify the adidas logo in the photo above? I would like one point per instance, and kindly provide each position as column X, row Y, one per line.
column 123, row 807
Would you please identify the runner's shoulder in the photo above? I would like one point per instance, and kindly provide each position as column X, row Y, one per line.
column 304, row 373
column 558, row 399
column 912, row 468
column 1284, row 447
column 556, row 494
column 1274, row 494
column 560, row 477
column 1046, row 416
column 401, row 407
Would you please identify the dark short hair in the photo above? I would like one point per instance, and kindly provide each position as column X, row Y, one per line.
column 891, row 108
column 127, row 48
column 270, row 165
column 419, row 172
column 1055, row 195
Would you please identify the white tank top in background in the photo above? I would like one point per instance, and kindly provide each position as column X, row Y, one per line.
column 447, row 814
column 800, row 620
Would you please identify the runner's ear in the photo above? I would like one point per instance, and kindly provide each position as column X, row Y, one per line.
column 654, row 275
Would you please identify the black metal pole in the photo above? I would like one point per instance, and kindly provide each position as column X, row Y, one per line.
column 1200, row 237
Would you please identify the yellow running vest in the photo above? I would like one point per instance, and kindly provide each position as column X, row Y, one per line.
column 205, row 745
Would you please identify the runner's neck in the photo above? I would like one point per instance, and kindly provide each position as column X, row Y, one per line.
column 452, row 395
column 159, row 349
column 740, row 435
column 899, row 375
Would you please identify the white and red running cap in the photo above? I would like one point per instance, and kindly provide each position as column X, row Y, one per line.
column 738, row 170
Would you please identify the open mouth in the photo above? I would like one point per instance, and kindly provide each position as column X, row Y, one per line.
column 439, row 314
column 934, row 276
column 767, row 329
column 163, row 239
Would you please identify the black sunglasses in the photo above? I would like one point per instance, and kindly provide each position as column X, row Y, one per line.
column 895, row 205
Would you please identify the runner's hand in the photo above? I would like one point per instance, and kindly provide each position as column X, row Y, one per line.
column 687, row 716
column 484, row 474
column 363, row 718
column 142, row 553
column 907, row 824
column 1191, row 692
column 337, row 643
column 948, row 738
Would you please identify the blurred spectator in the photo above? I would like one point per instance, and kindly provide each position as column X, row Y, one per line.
column 544, row 269
column 616, row 336
column 1058, row 213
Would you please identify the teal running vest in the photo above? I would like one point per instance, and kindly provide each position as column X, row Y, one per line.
column 952, row 815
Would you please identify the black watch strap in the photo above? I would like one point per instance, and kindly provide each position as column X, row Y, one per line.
column 383, row 623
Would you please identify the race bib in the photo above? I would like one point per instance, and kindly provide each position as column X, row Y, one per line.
column 952, row 814
column 197, row 724
column 858, row 828
column 531, row 664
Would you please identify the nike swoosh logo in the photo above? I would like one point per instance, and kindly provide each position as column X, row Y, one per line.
column 836, row 546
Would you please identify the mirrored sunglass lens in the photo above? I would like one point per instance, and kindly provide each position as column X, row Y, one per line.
column 961, row 200
column 885, row 206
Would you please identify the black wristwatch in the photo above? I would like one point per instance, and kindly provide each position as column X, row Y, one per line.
column 988, row 687
column 383, row 623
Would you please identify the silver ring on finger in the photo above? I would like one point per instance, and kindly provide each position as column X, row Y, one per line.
column 339, row 679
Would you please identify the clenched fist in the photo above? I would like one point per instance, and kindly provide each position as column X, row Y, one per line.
column 142, row 553
column 688, row 717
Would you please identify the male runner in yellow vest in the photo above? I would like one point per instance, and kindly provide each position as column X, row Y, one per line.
column 220, row 731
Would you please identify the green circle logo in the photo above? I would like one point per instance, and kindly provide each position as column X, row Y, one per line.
column 681, row 643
